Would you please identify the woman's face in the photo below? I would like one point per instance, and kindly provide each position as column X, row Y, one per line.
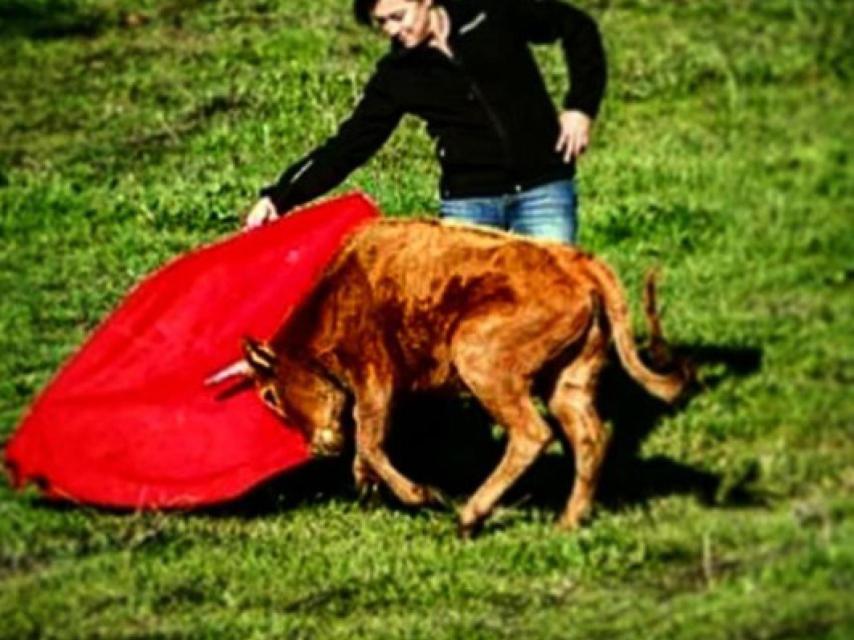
column 407, row 21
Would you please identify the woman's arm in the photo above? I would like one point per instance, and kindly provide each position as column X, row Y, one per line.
column 357, row 139
column 546, row 21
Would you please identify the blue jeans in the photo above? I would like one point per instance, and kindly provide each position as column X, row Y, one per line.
column 546, row 211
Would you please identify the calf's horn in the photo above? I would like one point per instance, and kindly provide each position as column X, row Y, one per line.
column 239, row 368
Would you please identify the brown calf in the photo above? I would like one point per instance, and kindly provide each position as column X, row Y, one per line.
column 418, row 304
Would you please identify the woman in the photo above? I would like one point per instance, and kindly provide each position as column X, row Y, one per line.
column 464, row 66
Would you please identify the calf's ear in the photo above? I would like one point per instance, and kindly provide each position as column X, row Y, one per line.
column 260, row 357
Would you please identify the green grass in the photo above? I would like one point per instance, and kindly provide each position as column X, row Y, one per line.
column 723, row 153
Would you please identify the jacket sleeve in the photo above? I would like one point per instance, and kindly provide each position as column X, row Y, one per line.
column 546, row 21
column 373, row 120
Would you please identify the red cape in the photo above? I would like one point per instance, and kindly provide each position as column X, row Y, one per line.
column 128, row 421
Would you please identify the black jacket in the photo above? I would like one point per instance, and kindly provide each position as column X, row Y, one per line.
column 487, row 108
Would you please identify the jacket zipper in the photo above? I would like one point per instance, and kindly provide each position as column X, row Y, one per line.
column 496, row 122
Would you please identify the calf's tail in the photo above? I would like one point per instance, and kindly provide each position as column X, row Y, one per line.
column 659, row 350
column 668, row 386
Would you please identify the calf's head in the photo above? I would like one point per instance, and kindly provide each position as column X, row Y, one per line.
column 301, row 393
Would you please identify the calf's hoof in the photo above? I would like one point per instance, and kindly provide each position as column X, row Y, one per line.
column 469, row 522
column 435, row 497
column 469, row 530
column 573, row 520
column 369, row 495
column 568, row 525
column 425, row 496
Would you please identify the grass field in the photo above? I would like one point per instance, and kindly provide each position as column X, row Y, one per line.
column 132, row 131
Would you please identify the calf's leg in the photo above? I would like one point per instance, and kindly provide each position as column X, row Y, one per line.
column 372, row 420
column 572, row 404
column 509, row 403
column 367, row 482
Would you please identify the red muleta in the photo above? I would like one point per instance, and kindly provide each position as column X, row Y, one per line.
column 128, row 422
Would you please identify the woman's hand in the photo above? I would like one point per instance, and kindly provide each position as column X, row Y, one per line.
column 261, row 212
column 574, row 134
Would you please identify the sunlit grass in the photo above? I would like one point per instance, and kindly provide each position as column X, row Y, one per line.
column 130, row 132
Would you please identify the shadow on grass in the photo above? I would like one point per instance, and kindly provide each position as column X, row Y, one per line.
column 49, row 19
column 448, row 442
